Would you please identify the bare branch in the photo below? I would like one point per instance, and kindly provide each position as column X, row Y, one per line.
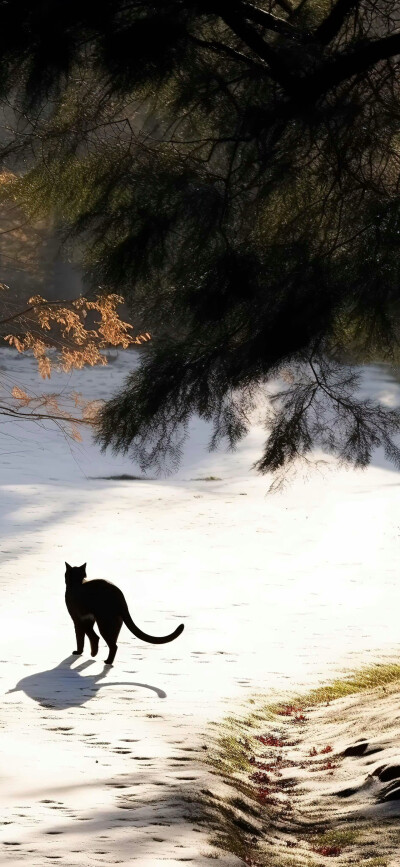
column 42, row 416
column 22, row 313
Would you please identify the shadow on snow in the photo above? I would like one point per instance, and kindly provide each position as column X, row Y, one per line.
column 63, row 686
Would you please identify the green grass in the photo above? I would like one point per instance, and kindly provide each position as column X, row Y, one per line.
column 335, row 837
column 207, row 479
column 368, row 678
column 373, row 862
column 381, row 674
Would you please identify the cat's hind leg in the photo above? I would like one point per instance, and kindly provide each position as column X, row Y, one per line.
column 109, row 628
column 93, row 638
column 80, row 637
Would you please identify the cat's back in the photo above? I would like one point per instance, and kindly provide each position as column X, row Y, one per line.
column 99, row 588
column 99, row 584
column 97, row 597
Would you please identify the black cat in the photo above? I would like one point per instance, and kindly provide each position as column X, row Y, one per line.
column 101, row 602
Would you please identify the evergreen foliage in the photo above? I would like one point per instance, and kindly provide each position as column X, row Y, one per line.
column 232, row 170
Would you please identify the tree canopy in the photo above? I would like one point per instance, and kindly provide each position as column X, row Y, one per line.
column 231, row 170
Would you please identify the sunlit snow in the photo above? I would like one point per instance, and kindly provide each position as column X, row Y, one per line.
column 275, row 591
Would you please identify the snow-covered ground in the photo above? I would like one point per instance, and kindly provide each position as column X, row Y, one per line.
column 274, row 590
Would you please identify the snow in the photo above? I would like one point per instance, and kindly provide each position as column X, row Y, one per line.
column 275, row 591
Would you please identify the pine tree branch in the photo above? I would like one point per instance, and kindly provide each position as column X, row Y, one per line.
column 342, row 67
column 332, row 24
column 269, row 21
column 220, row 48
column 286, row 6
column 256, row 43
column 346, row 65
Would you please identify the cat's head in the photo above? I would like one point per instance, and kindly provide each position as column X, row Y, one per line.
column 75, row 574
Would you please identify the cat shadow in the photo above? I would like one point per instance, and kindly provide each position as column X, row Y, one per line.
column 63, row 686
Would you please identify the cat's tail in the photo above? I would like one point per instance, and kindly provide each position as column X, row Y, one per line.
column 152, row 639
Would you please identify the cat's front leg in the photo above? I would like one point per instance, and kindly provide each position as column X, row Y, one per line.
column 80, row 637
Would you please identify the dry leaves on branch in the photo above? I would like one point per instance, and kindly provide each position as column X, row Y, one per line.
column 58, row 335
column 68, row 410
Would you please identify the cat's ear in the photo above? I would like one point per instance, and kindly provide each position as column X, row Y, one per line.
column 67, row 566
column 84, row 568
